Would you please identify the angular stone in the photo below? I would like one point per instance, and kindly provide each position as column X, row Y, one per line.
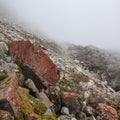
column 10, row 68
column 29, row 83
column 49, row 105
column 65, row 111
column 50, row 112
column 107, row 112
column 89, row 110
column 70, row 100
column 73, row 118
column 64, row 117
column 34, row 63
column 42, row 96
column 8, row 96
column 45, row 100
column 17, row 100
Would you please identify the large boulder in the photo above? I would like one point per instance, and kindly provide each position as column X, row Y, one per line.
column 34, row 63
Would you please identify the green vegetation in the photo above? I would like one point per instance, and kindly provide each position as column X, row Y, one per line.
column 3, row 76
column 37, row 106
column 45, row 117
column 30, row 104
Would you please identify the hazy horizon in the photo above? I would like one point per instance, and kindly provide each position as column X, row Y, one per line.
column 80, row 22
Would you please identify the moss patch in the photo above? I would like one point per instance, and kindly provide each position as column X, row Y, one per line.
column 44, row 117
column 19, row 70
column 30, row 104
column 24, row 102
column 3, row 76
column 92, row 102
column 37, row 106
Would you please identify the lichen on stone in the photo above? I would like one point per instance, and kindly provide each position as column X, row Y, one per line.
column 37, row 106
column 3, row 76
column 19, row 70
column 45, row 117
column 30, row 104
column 25, row 104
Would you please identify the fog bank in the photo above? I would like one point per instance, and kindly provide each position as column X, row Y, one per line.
column 76, row 21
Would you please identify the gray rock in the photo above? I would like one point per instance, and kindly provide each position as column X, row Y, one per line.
column 73, row 118
column 3, row 49
column 64, row 117
column 49, row 112
column 89, row 110
column 30, row 84
column 8, row 67
column 65, row 111
column 8, row 59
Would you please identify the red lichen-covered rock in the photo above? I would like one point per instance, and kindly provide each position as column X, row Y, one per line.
column 8, row 96
column 70, row 100
column 35, row 63
column 106, row 112
column 17, row 100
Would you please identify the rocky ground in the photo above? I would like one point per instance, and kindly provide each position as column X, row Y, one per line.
column 40, row 81
column 103, row 62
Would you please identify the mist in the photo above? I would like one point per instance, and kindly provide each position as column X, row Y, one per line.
column 88, row 22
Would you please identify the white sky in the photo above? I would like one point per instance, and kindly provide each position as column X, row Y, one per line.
column 84, row 22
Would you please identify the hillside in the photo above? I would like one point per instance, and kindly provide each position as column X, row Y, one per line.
column 39, row 80
column 105, row 63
